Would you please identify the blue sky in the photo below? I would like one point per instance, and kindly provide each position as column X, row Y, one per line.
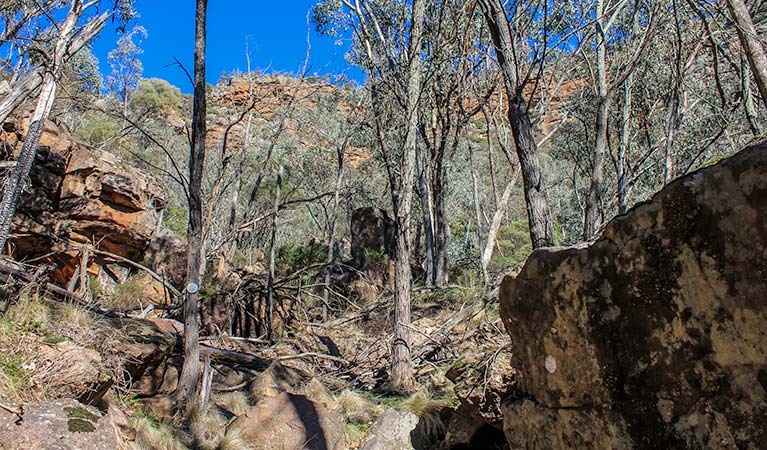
column 275, row 32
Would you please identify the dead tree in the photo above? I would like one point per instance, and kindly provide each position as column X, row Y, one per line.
column 190, row 372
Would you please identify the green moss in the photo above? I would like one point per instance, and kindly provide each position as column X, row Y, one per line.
column 81, row 413
column 80, row 426
column 52, row 340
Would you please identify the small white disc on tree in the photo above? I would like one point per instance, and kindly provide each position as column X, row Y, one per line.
column 550, row 364
column 192, row 288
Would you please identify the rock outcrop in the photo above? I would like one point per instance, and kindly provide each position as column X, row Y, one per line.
column 372, row 232
column 290, row 422
column 58, row 425
column 655, row 335
column 80, row 195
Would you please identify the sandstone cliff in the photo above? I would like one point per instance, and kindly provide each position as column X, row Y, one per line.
column 79, row 195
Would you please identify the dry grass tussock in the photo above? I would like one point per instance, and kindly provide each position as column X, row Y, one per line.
column 209, row 428
column 236, row 402
column 155, row 435
column 423, row 405
column 46, row 351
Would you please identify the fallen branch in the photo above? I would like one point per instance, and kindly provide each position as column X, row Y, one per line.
column 52, row 288
column 229, row 356
column 146, row 269
column 18, row 411
column 313, row 355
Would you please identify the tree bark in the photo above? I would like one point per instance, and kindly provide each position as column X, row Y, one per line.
column 623, row 148
column 270, row 297
column 190, row 371
column 536, row 197
column 402, row 365
column 332, row 225
column 604, row 99
column 749, row 39
column 28, row 83
column 475, row 194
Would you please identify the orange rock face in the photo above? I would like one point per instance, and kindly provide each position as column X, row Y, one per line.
column 80, row 195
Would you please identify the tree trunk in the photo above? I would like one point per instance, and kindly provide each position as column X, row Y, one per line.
column 190, row 372
column 536, row 197
column 748, row 98
column 24, row 87
column 332, row 226
column 270, row 297
column 623, row 148
column 28, row 153
column 428, row 219
column 442, row 235
column 402, row 365
column 749, row 39
column 594, row 201
column 487, row 254
column 475, row 194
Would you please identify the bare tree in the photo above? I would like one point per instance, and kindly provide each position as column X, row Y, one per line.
column 190, row 372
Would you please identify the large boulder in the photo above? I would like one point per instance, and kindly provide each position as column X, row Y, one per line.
column 655, row 335
column 373, row 240
column 392, row 431
column 290, row 422
column 63, row 424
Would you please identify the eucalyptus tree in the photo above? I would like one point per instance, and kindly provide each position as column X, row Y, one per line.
column 456, row 91
column 521, row 33
column 752, row 45
column 609, row 76
column 388, row 41
column 126, row 66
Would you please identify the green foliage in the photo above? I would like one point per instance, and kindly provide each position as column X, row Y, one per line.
column 14, row 375
column 98, row 132
column 292, row 257
column 155, row 95
column 376, row 256
column 176, row 220
column 125, row 64
column 513, row 246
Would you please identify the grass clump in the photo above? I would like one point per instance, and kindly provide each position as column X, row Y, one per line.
column 209, row 428
column 127, row 294
column 152, row 434
column 428, row 410
column 29, row 313
column 357, row 408
column 15, row 379
column 236, row 402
